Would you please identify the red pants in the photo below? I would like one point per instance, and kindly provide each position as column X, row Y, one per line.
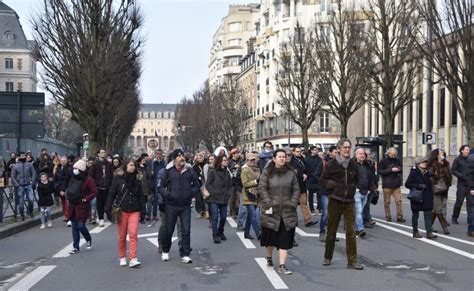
column 128, row 224
column 65, row 207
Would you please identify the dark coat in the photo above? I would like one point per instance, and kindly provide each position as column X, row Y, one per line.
column 179, row 188
column 102, row 173
column 460, row 170
column 438, row 172
column 414, row 180
column 81, row 211
column 314, row 170
column 65, row 177
column 339, row 181
column 46, row 166
column 199, row 170
column 390, row 179
column 281, row 193
column 144, row 177
column 470, row 167
column 45, row 192
column 219, row 185
column 133, row 199
column 300, row 170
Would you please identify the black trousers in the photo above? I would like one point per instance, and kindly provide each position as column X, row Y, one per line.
column 101, row 200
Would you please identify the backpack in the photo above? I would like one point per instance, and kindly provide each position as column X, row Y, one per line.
column 74, row 191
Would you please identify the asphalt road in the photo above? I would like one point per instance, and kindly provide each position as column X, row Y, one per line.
column 37, row 260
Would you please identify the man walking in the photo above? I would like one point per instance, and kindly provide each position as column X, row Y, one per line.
column 363, row 187
column 460, row 170
column 366, row 216
column 23, row 178
column 102, row 174
column 340, row 179
column 179, row 185
column 155, row 165
column 266, row 155
column 314, row 169
column 390, row 168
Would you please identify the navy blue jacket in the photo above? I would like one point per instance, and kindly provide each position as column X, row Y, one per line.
column 314, row 170
column 414, row 180
column 178, row 189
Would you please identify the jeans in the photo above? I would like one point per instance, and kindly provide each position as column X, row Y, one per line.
column 172, row 213
column 218, row 217
column 79, row 226
column 101, row 200
column 128, row 224
column 360, row 201
column 461, row 194
column 242, row 213
column 45, row 214
column 470, row 212
column 324, row 213
column 252, row 220
column 93, row 207
column 21, row 191
column 366, row 217
column 427, row 217
column 152, row 205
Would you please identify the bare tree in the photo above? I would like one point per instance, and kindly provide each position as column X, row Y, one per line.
column 449, row 49
column 343, row 56
column 391, row 27
column 60, row 126
column 90, row 52
column 187, row 113
column 298, row 80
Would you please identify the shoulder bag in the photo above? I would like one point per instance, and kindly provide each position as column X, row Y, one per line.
column 116, row 211
column 415, row 195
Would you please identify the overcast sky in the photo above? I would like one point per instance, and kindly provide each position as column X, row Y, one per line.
column 178, row 40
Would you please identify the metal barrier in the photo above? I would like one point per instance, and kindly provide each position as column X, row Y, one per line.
column 12, row 200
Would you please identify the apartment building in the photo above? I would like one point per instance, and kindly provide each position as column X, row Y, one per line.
column 17, row 62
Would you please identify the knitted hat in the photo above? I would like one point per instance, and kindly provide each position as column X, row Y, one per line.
column 80, row 165
column 176, row 153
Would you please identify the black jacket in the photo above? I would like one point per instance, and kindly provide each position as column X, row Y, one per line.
column 314, row 170
column 414, row 180
column 219, row 185
column 298, row 165
column 133, row 198
column 45, row 192
column 460, row 170
column 340, row 182
column 391, row 180
column 179, row 188
column 102, row 173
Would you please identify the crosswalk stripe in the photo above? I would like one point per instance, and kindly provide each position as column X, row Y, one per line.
column 247, row 243
column 32, row 278
column 231, row 222
column 64, row 253
column 99, row 229
column 271, row 274
column 303, row 233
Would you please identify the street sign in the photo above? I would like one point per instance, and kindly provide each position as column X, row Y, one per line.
column 429, row 138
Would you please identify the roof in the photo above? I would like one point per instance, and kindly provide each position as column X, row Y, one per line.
column 11, row 32
column 158, row 107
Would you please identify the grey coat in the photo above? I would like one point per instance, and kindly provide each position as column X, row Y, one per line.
column 23, row 174
column 219, row 184
column 281, row 193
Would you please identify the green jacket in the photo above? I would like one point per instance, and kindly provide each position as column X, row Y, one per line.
column 249, row 177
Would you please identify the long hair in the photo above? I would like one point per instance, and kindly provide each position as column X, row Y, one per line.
column 218, row 162
column 433, row 157
column 125, row 164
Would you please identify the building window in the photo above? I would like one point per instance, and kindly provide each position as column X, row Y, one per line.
column 454, row 112
column 324, row 123
column 325, row 6
column 19, row 64
column 9, row 86
column 401, row 120
column 235, row 42
column 144, row 131
column 235, row 26
column 420, row 111
column 442, row 108
column 20, row 86
column 410, row 114
column 8, row 63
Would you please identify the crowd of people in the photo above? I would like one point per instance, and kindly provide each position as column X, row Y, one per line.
column 261, row 190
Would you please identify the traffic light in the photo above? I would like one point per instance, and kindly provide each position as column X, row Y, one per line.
column 179, row 126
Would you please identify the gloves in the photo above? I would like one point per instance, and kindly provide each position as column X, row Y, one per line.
column 161, row 207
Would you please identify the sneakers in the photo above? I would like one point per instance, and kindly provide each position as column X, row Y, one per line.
column 186, row 260
column 165, row 257
column 284, row 270
column 134, row 263
column 69, row 223
column 327, row 262
column 360, row 233
column 89, row 245
column 269, row 262
column 123, row 262
column 101, row 223
column 50, row 224
column 73, row 251
column 322, row 237
column 42, row 226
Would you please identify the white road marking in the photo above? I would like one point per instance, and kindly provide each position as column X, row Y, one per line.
column 422, row 230
column 303, row 233
column 99, row 229
column 32, row 278
column 64, row 253
column 271, row 274
column 155, row 241
column 144, row 235
column 431, row 242
column 247, row 243
column 231, row 222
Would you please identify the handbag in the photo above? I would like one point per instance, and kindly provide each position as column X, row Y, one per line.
column 415, row 195
column 440, row 186
column 116, row 210
column 375, row 197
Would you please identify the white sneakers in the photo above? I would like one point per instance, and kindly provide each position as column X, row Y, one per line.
column 69, row 223
column 165, row 257
column 101, row 223
column 123, row 262
column 50, row 224
column 133, row 263
column 42, row 226
column 186, row 260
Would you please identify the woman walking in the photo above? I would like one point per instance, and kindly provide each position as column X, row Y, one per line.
column 80, row 191
column 219, row 184
column 127, row 193
column 441, row 179
column 279, row 190
column 250, row 176
column 419, row 179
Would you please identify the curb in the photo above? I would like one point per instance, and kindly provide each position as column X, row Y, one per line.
column 16, row 227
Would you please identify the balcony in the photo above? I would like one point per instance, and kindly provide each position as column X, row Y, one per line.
column 270, row 115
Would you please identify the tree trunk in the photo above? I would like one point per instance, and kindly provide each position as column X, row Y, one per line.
column 388, row 130
column 343, row 128
column 304, row 130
